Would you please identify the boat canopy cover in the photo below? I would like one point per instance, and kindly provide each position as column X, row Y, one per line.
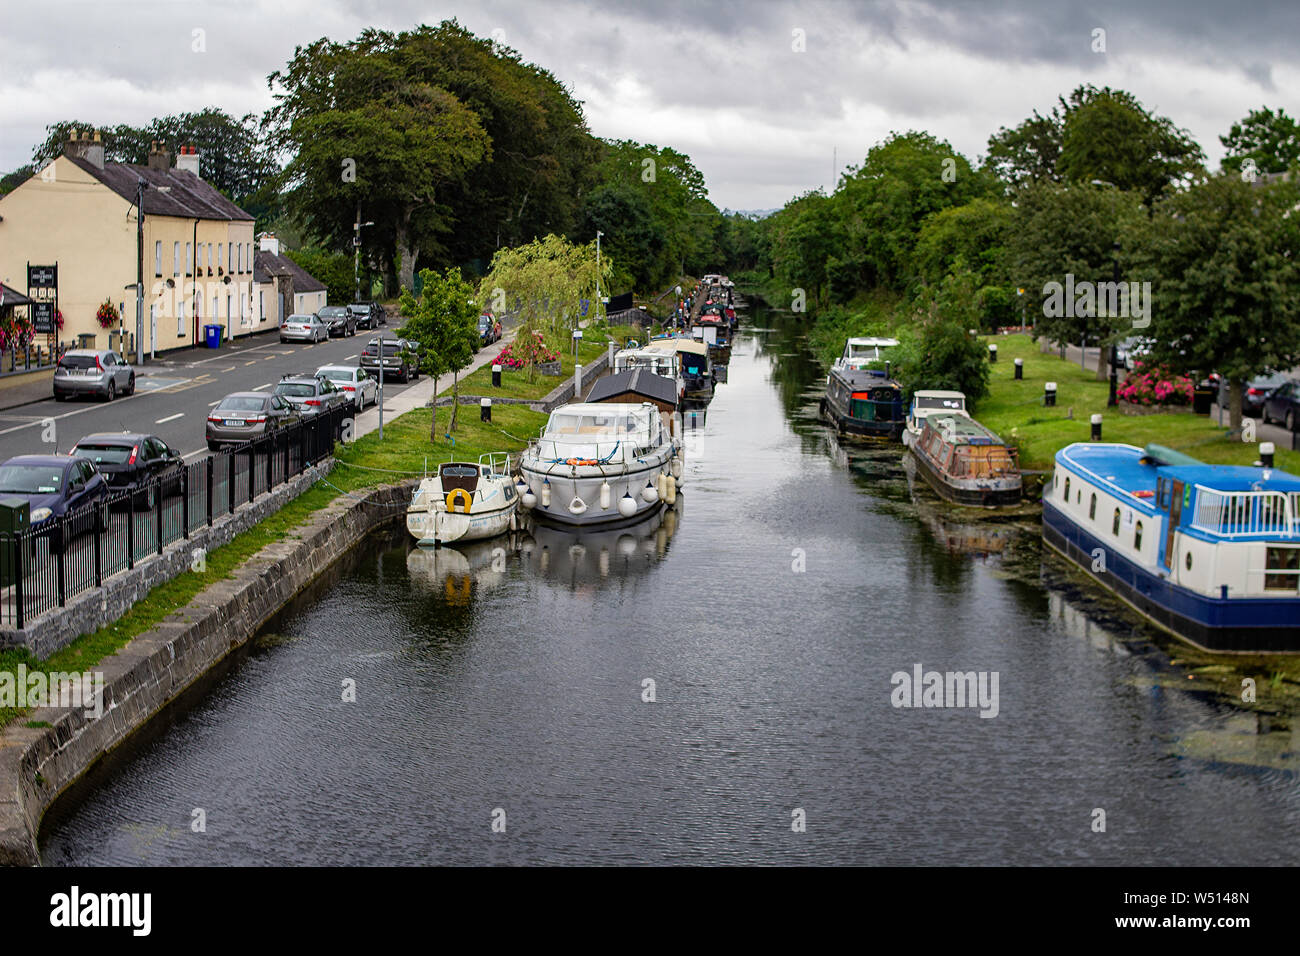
column 679, row 345
column 1168, row 456
column 961, row 430
column 585, row 420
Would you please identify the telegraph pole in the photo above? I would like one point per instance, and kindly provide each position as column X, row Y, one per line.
column 140, row 187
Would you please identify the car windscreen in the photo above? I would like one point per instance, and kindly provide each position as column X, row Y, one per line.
column 77, row 361
column 104, row 454
column 332, row 311
column 336, row 374
column 295, row 390
column 248, row 404
column 30, row 479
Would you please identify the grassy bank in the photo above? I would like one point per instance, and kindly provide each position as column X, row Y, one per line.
column 1014, row 409
column 365, row 463
column 515, row 384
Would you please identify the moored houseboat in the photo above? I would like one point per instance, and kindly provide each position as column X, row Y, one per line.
column 696, row 369
column 1210, row 553
column 930, row 401
column 966, row 463
column 861, row 397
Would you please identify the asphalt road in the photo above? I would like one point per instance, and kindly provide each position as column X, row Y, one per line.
column 173, row 394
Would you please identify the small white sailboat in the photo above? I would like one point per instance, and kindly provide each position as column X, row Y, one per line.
column 464, row 501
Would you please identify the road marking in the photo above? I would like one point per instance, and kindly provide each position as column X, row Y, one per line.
column 254, row 362
column 169, row 418
column 260, row 387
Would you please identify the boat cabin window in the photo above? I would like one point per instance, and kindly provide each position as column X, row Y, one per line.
column 1163, row 493
column 1282, row 569
column 1114, row 525
column 458, row 471
column 592, row 424
column 1137, row 537
column 1092, row 507
column 1067, row 490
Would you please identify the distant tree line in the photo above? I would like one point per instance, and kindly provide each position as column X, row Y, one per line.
column 1099, row 190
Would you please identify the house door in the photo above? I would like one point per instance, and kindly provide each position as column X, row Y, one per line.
column 1175, row 515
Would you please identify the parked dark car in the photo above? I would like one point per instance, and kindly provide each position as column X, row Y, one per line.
column 1283, row 405
column 378, row 314
column 311, row 394
column 97, row 372
column 131, row 461
column 55, row 485
column 401, row 361
column 489, row 329
column 1258, row 390
column 338, row 320
column 243, row 416
column 369, row 315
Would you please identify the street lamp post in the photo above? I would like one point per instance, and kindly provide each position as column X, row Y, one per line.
column 140, row 187
column 1113, row 400
column 356, row 261
column 598, row 235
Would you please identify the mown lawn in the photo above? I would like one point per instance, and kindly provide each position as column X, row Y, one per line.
column 1015, row 411
column 515, row 384
column 404, row 453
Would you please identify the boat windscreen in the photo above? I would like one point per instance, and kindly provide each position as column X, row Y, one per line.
column 929, row 401
column 588, row 424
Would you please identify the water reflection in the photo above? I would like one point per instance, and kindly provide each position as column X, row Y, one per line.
column 592, row 556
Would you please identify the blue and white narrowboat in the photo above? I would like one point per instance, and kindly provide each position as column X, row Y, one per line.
column 1210, row 553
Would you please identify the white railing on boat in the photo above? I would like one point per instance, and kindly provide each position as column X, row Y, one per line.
column 1235, row 514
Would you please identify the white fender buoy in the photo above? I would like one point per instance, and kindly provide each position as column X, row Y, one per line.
column 546, row 492
column 627, row 505
column 648, row 493
column 677, row 467
column 577, row 506
column 670, row 486
column 661, row 486
column 604, row 496
column 529, row 499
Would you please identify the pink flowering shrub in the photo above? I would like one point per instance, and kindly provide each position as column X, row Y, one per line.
column 520, row 353
column 1155, row 385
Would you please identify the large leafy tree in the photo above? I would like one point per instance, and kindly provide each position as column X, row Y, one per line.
column 1270, row 140
column 1224, row 262
column 632, row 236
column 937, row 349
column 1084, row 231
column 444, row 320
column 234, row 157
column 1097, row 134
column 369, row 139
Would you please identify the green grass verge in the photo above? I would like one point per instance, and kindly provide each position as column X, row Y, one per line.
column 1014, row 409
column 366, row 463
column 515, row 384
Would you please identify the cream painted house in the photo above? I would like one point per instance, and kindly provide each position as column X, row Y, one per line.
column 282, row 287
column 80, row 212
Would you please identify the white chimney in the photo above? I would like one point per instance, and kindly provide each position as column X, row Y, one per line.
column 268, row 243
column 188, row 159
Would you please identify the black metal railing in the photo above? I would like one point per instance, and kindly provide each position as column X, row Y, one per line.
column 45, row 567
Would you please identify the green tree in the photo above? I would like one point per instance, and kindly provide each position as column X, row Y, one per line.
column 1028, row 152
column 633, row 237
column 936, row 350
column 444, row 320
column 1271, row 140
column 544, row 281
column 975, row 234
column 1224, row 262
column 334, row 269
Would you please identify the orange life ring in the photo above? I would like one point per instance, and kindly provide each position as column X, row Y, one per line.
column 581, row 461
column 1144, row 494
column 459, row 494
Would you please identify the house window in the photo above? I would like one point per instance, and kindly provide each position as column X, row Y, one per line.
column 1092, row 507
column 241, row 258
column 157, row 258
column 248, row 256
column 261, row 306
column 1137, row 537
column 1282, row 569
column 220, row 265
column 176, row 257
column 209, row 245
column 1114, row 525
column 230, row 255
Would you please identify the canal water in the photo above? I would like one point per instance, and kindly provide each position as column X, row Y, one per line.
column 509, row 684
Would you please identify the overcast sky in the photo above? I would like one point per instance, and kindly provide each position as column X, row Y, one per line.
column 721, row 81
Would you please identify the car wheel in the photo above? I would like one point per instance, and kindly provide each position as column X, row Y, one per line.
column 1290, row 421
column 213, row 446
column 111, row 392
column 130, row 385
column 60, row 397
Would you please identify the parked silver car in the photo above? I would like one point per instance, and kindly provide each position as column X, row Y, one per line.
column 304, row 328
column 356, row 382
column 101, row 373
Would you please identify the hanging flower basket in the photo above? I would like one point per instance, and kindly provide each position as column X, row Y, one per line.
column 107, row 316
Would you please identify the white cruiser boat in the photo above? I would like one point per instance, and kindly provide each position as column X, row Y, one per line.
column 927, row 402
column 667, row 364
column 1210, row 553
column 598, row 462
column 464, row 502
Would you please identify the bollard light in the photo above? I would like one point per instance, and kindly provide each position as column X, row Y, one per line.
column 1266, row 452
column 1020, row 369
column 993, row 353
column 496, row 375
column 1049, row 394
column 485, row 409
column 1096, row 427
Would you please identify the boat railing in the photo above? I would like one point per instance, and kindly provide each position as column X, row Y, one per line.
column 497, row 462
column 1239, row 514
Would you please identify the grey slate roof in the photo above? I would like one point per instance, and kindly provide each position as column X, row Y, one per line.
column 642, row 381
column 268, row 264
column 187, row 196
